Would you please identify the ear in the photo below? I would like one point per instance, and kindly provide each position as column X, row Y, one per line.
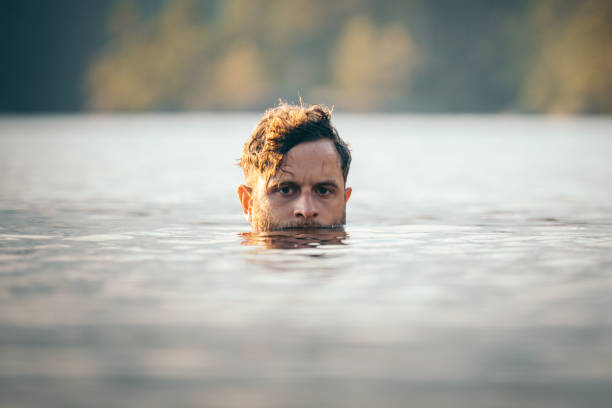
column 245, row 195
column 347, row 193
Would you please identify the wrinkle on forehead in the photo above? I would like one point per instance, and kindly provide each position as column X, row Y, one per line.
column 283, row 170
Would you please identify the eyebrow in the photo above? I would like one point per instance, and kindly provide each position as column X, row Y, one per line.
column 327, row 183
column 279, row 184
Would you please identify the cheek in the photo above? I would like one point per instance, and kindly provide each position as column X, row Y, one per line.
column 276, row 207
column 333, row 206
column 261, row 205
column 282, row 208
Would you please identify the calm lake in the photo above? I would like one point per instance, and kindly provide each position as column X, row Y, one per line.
column 475, row 269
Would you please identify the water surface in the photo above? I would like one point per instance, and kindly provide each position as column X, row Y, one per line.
column 475, row 269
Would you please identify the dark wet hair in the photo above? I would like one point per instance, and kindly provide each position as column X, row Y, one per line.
column 283, row 127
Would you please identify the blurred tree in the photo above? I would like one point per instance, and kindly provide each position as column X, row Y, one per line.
column 45, row 49
column 238, row 81
column 572, row 70
column 443, row 56
column 151, row 65
column 372, row 66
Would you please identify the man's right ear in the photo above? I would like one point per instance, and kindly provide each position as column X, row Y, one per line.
column 245, row 195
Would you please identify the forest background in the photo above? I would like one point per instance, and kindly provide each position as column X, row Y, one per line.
column 437, row 56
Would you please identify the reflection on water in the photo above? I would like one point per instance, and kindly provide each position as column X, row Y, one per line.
column 295, row 239
column 475, row 269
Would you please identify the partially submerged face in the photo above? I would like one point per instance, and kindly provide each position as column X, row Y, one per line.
column 307, row 191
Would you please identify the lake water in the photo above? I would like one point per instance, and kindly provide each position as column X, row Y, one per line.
column 475, row 269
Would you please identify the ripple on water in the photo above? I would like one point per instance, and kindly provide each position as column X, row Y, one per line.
column 100, row 237
column 485, row 282
column 16, row 237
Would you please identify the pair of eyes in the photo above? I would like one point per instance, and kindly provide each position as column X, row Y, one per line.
column 289, row 190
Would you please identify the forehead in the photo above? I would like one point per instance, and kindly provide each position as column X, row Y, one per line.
column 311, row 161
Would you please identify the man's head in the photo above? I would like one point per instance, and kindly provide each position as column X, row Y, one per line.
column 295, row 165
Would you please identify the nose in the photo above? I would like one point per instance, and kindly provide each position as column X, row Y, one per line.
column 305, row 207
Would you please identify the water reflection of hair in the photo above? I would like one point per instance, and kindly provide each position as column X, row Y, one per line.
column 293, row 239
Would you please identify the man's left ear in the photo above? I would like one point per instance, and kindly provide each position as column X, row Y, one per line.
column 347, row 193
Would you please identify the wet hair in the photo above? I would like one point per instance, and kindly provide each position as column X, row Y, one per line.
column 284, row 127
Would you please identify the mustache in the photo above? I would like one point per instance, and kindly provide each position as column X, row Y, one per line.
column 301, row 225
column 264, row 221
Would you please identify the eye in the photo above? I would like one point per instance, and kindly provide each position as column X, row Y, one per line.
column 324, row 191
column 286, row 190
